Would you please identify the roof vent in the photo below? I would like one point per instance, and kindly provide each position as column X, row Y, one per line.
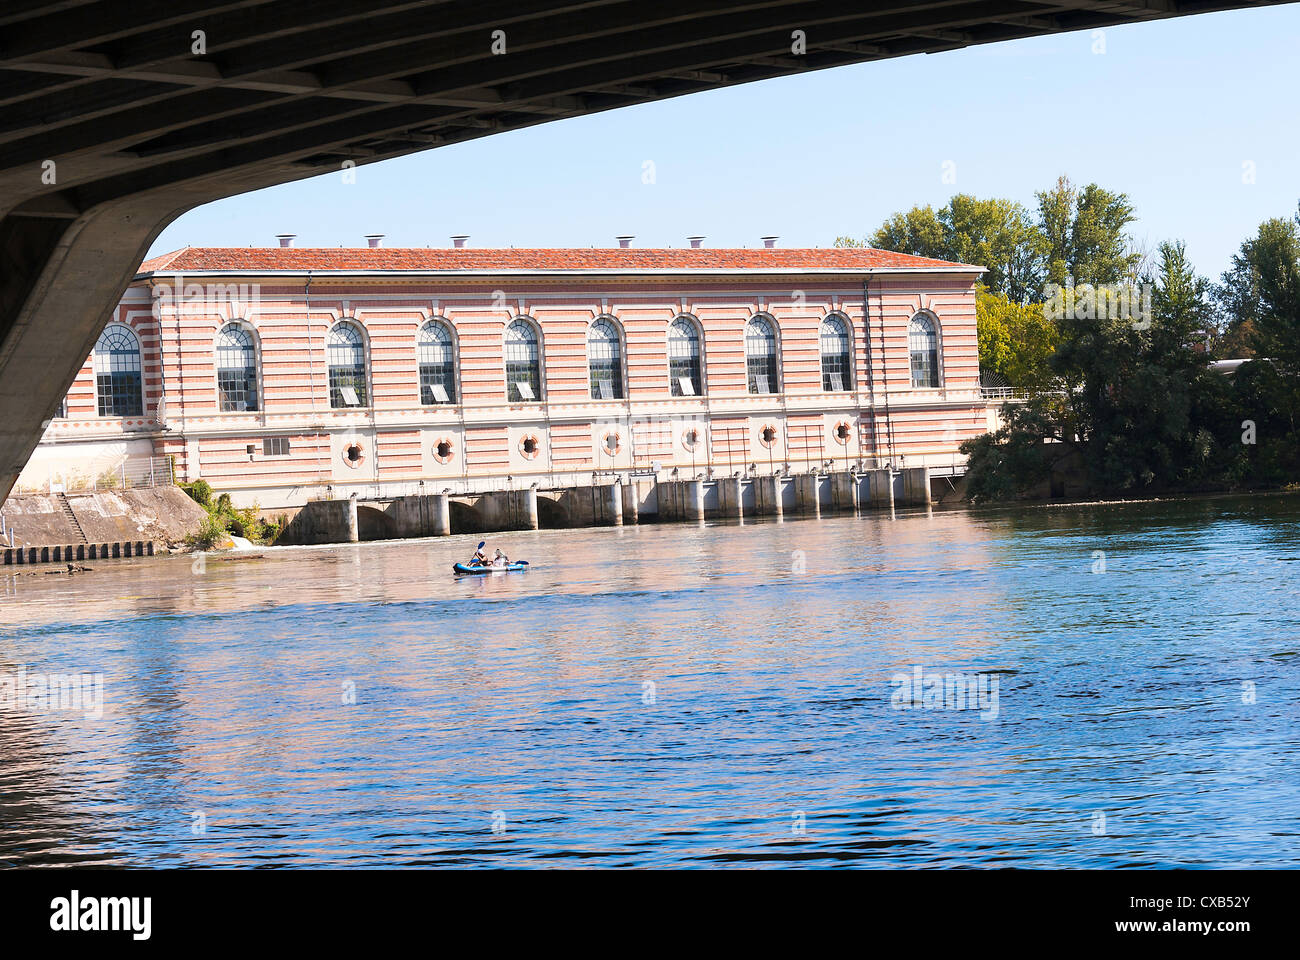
column 286, row 239
column 695, row 242
column 460, row 240
column 769, row 242
column 625, row 241
column 374, row 239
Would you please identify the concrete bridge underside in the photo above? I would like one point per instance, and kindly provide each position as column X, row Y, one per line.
column 116, row 117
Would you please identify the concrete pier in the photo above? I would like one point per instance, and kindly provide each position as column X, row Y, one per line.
column 631, row 503
column 879, row 489
column 615, row 494
column 442, row 515
column 731, row 502
column 808, row 494
column 530, row 504
column 627, row 500
column 767, row 496
column 354, row 530
column 916, row 486
column 844, row 492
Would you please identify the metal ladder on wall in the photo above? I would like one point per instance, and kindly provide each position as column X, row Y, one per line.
column 871, row 380
column 72, row 517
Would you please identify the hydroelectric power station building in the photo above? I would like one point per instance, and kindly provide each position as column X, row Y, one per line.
column 288, row 374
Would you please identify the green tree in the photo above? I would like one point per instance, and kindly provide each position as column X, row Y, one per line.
column 1239, row 296
column 1016, row 340
column 1139, row 406
column 918, row 232
column 997, row 234
column 1078, row 235
column 1000, row 235
column 1084, row 233
column 1268, row 387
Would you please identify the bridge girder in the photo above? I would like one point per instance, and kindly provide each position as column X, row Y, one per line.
column 114, row 120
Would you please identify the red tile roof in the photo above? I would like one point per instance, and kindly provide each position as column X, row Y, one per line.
column 601, row 260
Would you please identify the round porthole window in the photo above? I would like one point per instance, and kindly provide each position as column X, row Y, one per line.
column 611, row 444
column 529, row 447
column 767, row 436
column 842, row 432
column 444, row 450
column 690, row 439
column 353, row 455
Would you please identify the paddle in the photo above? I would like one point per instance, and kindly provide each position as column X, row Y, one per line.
column 481, row 545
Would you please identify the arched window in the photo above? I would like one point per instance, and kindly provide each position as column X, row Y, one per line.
column 345, row 353
column 436, row 355
column 836, row 369
column 605, row 361
column 236, row 369
column 923, row 345
column 760, row 355
column 685, row 376
column 118, row 381
column 523, row 362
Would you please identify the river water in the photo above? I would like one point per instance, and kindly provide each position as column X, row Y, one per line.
column 677, row 695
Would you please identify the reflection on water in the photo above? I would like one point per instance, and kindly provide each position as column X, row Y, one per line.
column 678, row 695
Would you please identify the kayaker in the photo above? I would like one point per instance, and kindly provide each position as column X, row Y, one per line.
column 480, row 558
column 500, row 560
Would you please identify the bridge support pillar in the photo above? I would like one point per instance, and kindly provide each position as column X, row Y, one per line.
column 354, row 531
column 697, row 500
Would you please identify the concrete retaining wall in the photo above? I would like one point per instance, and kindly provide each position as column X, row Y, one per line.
column 154, row 514
column 323, row 521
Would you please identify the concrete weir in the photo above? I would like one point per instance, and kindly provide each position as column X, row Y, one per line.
column 623, row 501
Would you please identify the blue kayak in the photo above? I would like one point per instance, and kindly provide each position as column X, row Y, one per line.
column 509, row 568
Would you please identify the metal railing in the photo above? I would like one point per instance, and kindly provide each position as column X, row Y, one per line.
column 141, row 472
column 128, row 473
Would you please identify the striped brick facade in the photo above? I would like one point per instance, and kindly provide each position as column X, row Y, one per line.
column 289, row 299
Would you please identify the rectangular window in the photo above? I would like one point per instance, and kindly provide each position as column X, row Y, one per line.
column 436, row 383
column 683, row 375
column 924, row 369
column 275, row 446
column 762, row 373
column 347, row 386
column 121, row 394
column 237, row 389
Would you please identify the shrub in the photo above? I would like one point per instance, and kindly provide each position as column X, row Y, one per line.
column 200, row 491
column 210, row 533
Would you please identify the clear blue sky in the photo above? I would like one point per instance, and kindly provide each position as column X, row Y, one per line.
column 1168, row 114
